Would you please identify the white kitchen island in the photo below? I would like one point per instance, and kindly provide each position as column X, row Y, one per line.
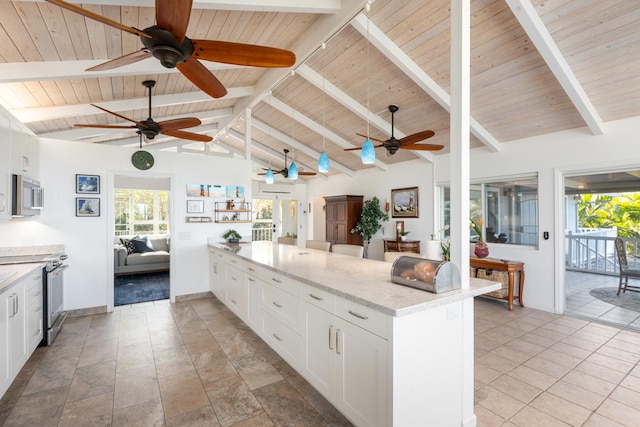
column 382, row 353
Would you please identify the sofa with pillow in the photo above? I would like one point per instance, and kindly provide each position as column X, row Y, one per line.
column 140, row 254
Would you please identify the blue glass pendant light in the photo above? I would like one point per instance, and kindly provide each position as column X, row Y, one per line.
column 323, row 163
column 269, row 178
column 368, row 155
column 293, row 171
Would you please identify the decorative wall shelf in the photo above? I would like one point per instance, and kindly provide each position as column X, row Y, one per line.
column 224, row 213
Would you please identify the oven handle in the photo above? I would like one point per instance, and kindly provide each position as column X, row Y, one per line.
column 59, row 269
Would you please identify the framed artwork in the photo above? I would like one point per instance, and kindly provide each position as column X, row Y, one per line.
column 404, row 202
column 87, row 206
column 235, row 191
column 195, row 206
column 87, row 184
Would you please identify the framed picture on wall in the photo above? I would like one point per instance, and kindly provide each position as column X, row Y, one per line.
column 404, row 202
column 87, row 184
column 87, row 206
column 195, row 206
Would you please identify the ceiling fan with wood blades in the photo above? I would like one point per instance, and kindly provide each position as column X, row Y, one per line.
column 407, row 143
column 150, row 128
column 167, row 42
column 285, row 171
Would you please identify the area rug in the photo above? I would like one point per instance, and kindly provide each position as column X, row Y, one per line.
column 136, row 288
column 628, row 300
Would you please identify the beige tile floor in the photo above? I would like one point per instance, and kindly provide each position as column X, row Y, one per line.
column 195, row 363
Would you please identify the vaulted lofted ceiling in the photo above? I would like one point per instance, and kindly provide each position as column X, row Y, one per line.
column 536, row 67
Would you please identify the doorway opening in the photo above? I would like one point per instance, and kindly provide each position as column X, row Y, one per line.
column 598, row 208
column 275, row 219
column 141, row 240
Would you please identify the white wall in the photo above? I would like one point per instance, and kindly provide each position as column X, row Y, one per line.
column 88, row 241
column 551, row 156
column 373, row 182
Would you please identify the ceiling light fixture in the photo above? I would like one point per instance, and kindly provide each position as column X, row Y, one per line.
column 293, row 169
column 368, row 153
column 323, row 160
column 269, row 178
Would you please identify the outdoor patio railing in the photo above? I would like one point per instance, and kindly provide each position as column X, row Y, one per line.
column 593, row 251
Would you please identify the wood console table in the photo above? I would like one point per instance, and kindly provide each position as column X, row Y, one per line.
column 402, row 246
column 511, row 267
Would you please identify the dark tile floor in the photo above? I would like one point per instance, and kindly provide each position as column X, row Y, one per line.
column 161, row 364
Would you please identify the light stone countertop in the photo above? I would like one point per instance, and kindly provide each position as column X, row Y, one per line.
column 12, row 273
column 365, row 281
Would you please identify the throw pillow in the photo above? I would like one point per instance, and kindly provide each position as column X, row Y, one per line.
column 128, row 244
column 142, row 244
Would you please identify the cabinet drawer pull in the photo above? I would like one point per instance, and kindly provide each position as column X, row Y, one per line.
column 316, row 297
column 359, row 316
column 234, row 261
column 36, row 333
column 338, row 341
column 251, row 269
column 38, row 294
column 277, row 337
column 331, row 337
column 233, row 301
column 36, row 278
column 276, row 304
column 233, row 278
column 37, row 309
column 250, row 279
column 276, row 280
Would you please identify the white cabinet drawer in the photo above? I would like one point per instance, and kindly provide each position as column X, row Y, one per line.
column 34, row 323
column 282, row 339
column 282, row 282
column 237, row 291
column 283, row 306
column 34, row 292
column 254, row 270
column 323, row 299
column 237, row 263
column 363, row 316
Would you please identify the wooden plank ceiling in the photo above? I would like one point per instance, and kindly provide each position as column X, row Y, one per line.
column 536, row 67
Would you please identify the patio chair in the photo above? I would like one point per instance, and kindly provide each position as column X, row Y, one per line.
column 625, row 271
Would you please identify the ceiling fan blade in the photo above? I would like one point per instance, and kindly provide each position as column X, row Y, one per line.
column 187, row 135
column 120, row 61
column 274, row 172
column 115, row 114
column 307, row 173
column 243, row 54
column 176, row 124
column 422, row 147
column 80, row 125
column 202, row 78
column 174, row 16
column 99, row 18
column 371, row 138
column 410, row 139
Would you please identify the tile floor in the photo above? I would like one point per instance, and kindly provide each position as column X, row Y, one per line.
column 579, row 301
column 195, row 363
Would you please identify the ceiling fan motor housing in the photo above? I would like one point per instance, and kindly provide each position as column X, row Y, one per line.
column 166, row 47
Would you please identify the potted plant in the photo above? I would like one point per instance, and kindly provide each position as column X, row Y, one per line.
column 369, row 222
column 403, row 235
column 232, row 236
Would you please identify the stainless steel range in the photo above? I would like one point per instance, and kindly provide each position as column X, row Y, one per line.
column 53, row 288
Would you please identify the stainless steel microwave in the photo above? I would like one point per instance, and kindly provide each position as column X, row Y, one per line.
column 27, row 196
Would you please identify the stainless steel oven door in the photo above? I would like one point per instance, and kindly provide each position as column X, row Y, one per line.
column 54, row 294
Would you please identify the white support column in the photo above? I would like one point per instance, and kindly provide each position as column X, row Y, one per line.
column 459, row 167
column 247, row 133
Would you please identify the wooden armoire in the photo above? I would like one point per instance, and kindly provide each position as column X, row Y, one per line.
column 343, row 213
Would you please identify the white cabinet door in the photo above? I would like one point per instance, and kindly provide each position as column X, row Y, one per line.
column 319, row 357
column 5, row 310
column 362, row 375
column 254, row 296
column 5, row 168
column 237, row 291
column 16, row 308
column 34, row 311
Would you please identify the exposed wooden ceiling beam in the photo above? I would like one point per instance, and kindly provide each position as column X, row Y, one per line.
column 340, row 96
column 28, row 115
column 294, row 6
column 306, row 121
column 388, row 48
column 15, row 72
column 530, row 21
